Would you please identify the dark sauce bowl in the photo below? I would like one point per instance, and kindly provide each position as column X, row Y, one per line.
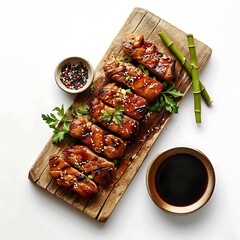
column 180, row 180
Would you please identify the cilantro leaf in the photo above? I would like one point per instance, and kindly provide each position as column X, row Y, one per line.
column 53, row 122
column 107, row 117
column 118, row 114
column 74, row 112
column 50, row 119
column 116, row 117
column 156, row 106
column 58, row 136
column 65, row 127
column 167, row 99
column 60, row 112
column 59, row 133
column 83, row 109
column 173, row 91
column 170, row 104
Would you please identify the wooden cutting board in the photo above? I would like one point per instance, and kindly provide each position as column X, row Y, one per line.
column 100, row 206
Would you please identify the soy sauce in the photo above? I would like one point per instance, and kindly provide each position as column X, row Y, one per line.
column 181, row 180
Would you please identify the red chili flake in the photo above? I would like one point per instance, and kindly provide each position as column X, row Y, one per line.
column 74, row 77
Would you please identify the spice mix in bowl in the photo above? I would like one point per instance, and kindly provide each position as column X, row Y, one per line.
column 74, row 74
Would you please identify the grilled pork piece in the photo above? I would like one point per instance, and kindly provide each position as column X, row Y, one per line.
column 134, row 78
column 147, row 54
column 134, row 105
column 82, row 158
column 69, row 177
column 96, row 138
column 126, row 129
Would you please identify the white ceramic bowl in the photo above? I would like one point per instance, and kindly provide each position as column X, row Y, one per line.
column 74, row 61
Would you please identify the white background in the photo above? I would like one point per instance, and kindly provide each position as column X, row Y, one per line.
column 34, row 36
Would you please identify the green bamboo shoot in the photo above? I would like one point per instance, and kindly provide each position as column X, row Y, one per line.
column 181, row 58
column 195, row 79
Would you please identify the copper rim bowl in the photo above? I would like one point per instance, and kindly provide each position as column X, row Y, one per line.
column 151, row 182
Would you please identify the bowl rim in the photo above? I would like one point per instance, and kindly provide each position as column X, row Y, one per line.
column 151, row 174
column 74, row 59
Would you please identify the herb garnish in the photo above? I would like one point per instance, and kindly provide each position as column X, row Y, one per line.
column 166, row 99
column 143, row 69
column 82, row 109
column 53, row 121
column 116, row 117
column 107, row 116
column 61, row 124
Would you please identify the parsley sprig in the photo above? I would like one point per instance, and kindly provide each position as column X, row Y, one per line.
column 106, row 116
column 167, row 99
column 82, row 109
column 53, row 120
column 116, row 117
column 59, row 121
column 59, row 134
column 118, row 114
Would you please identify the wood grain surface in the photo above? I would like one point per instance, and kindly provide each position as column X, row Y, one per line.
column 100, row 206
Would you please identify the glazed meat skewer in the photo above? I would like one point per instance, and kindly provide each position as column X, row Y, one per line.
column 134, row 106
column 69, row 177
column 96, row 138
column 86, row 161
column 148, row 55
column 126, row 129
column 133, row 78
